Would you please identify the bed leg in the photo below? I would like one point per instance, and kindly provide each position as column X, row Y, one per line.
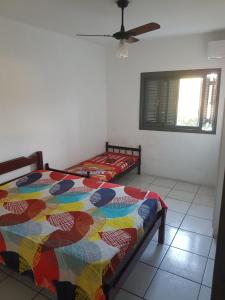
column 40, row 164
column 139, row 165
column 161, row 236
column 139, row 169
column 47, row 166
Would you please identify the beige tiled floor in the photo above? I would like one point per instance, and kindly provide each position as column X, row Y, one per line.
column 185, row 262
column 182, row 268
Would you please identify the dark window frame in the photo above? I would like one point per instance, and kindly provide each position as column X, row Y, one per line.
column 175, row 75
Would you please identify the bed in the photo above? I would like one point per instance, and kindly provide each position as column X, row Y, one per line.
column 109, row 166
column 78, row 237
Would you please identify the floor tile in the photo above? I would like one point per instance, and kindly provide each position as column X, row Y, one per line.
column 123, row 295
column 204, row 200
column 137, row 182
column 182, row 195
column 188, row 265
column 205, row 293
column 174, row 218
column 141, row 271
column 125, row 180
column 162, row 191
column 186, row 187
column 25, row 280
column 40, row 297
column 206, row 190
column 146, row 178
column 167, row 286
column 12, row 289
column 2, row 275
column 208, row 276
column 212, row 253
column 197, row 225
column 48, row 294
column 170, row 233
column 201, row 211
column 165, row 182
column 143, row 181
column 192, row 242
column 177, row 205
column 154, row 253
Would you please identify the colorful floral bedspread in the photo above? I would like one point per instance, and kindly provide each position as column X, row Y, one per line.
column 105, row 166
column 71, row 229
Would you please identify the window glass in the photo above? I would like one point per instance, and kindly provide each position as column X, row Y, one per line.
column 189, row 101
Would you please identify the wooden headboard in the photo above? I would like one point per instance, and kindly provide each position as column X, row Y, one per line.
column 21, row 162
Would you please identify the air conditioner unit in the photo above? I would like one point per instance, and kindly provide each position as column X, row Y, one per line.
column 216, row 49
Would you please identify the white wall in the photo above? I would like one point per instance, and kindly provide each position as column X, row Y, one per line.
column 220, row 182
column 184, row 156
column 52, row 95
column 219, row 188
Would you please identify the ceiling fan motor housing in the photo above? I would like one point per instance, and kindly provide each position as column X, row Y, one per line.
column 122, row 3
column 121, row 35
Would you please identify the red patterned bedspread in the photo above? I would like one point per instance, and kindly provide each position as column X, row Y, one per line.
column 105, row 166
column 64, row 228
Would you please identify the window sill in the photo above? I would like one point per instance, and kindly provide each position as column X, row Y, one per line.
column 179, row 130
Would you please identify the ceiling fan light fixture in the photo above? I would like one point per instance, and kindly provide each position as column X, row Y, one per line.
column 122, row 51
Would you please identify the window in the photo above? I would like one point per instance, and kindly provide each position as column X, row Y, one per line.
column 184, row 101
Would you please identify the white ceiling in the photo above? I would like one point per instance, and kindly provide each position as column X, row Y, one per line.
column 103, row 16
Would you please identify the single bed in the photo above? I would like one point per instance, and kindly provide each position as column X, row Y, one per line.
column 78, row 237
column 115, row 162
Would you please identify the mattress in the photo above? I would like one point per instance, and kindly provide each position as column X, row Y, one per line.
column 105, row 166
column 64, row 228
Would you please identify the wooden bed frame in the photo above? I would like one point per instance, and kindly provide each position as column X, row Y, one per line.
column 47, row 167
column 112, row 283
column 111, row 148
column 21, row 162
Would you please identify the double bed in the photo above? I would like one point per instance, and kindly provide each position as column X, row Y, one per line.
column 78, row 237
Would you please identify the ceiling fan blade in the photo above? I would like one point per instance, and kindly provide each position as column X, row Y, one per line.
column 132, row 40
column 143, row 29
column 104, row 35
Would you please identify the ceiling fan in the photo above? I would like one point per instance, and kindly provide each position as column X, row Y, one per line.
column 126, row 36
